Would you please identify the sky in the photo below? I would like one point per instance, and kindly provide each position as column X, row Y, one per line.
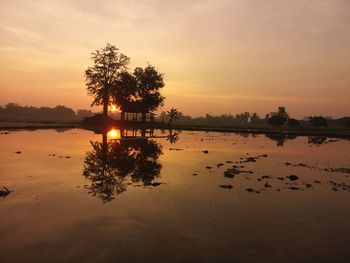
column 217, row 56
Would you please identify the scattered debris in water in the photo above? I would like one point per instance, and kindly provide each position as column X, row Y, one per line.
column 154, row 184
column 175, row 149
column 251, row 190
column 266, row 185
column 230, row 173
column 252, row 159
column 226, row 186
column 4, row 193
column 337, row 170
column 294, row 188
column 219, row 165
column 330, row 170
column 339, row 186
column 293, row 177
column 266, row 177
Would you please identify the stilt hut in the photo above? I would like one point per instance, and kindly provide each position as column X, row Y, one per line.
column 130, row 111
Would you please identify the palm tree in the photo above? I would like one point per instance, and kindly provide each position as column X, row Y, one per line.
column 173, row 114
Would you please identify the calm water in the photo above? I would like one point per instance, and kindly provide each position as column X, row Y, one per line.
column 78, row 196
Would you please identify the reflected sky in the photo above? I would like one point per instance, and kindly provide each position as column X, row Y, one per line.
column 112, row 196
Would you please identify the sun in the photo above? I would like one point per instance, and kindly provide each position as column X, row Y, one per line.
column 113, row 108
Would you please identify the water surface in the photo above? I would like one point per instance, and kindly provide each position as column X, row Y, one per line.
column 78, row 196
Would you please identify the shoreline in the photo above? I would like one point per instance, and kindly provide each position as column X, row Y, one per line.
column 327, row 132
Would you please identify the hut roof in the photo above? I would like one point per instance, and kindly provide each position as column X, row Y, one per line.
column 136, row 107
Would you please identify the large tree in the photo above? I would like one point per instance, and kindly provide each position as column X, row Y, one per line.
column 109, row 65
column 148, row 84
column 124, row 91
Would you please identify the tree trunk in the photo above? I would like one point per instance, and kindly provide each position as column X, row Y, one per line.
column 143, row 116
column 105, row 108
column 104, row 153
column 122, row 116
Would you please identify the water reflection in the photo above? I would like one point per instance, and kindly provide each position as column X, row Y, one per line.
column 317, row 140
column 172, row 137
column 280, row 138
column 119, row 160
column 113, row 134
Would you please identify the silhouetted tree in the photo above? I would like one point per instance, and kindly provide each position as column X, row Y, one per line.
column 293, row 122
column 173, row 114
column 148, row 84
column 124, row 90
column 163, row 117
column 243, row 118
column 16, row 112
column 254, row 117
column 81, row 114
column 318, row 121
column 102, row 77
column 277, row 118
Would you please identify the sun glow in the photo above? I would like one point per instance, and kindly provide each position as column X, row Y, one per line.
column 113, row 108
column 113, row 134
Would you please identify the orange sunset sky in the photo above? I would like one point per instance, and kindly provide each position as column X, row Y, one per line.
column 217, row 56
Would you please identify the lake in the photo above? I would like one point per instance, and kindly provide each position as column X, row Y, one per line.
column 170, row 196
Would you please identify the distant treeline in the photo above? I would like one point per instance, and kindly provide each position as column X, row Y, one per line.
column 246, row 119
column 242, row 119
column 280, row 118
column 15, row 112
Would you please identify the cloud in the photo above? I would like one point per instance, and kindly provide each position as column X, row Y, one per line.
column 243, row 48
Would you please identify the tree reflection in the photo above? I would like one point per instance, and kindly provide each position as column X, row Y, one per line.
column 280, row 138
column 317, row 140
column 111, row 164
column 172, row 137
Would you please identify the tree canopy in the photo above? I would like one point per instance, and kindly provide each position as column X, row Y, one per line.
column 141, row 87
column 109, row 64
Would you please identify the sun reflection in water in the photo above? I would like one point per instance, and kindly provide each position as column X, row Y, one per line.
column 113, row 134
